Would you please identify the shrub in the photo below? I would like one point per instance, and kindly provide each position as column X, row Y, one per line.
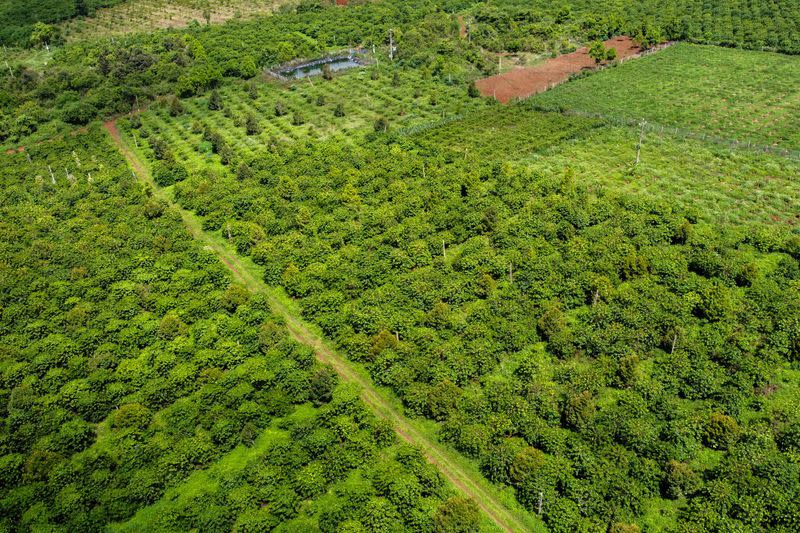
column 154, row 208
column 175, row 106
column 382, row 125
column 215, row 101
column 252, row 127
column 457, row 515
column 679, row 480
column 79, row 113
column 166, row 174
column 721, row 432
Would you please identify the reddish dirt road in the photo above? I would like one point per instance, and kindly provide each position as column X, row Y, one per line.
column 524, row 82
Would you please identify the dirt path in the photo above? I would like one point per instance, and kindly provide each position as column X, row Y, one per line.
column 469, row 483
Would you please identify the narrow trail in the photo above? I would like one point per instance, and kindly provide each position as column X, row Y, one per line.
column 444, row 459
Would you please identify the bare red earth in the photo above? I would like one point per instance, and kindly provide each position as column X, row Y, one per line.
column 524, row 82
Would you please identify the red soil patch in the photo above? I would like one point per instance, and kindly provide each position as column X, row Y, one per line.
column 524, row 82
column 341, row 2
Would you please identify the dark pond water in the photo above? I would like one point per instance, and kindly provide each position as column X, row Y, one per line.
column 315, row 68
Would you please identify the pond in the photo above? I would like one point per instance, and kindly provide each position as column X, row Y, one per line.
column 314, row 68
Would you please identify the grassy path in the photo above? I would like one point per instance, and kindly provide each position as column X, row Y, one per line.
column 500, row 508
column 200, row 483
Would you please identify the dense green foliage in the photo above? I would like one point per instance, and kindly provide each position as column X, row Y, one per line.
column 617, row 342
column 90, row 79
column 284, row 483
column 129, row 362
column 577, row 345
column 540, row 25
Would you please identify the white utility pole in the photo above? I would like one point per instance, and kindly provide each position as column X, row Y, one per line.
column 642, row 125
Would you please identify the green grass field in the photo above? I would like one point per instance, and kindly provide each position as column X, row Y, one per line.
column 728, row 93
column 31, row 58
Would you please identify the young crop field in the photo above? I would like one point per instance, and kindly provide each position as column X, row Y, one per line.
column 500, row 133
column 520, row 83
column 144, row 15
column 349, row 104
column 741, row 95
column 713, row 182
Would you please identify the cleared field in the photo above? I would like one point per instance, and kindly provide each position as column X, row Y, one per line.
column 524, row 82
column 309, row 112
column 743, row 95
column 143, row 15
